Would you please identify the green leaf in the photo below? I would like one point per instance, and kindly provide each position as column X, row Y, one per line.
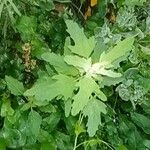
column 52, row 120
column 15, row 87
column 14, row 7
column 117, row 54
column 80, row 63
column 2, row 144
column 46, row 5
column 86, row 87
column 49, row 88
column 27, row 27
column 145, row 50
column 110, row 73
column 83, row 46
column 34, row 122
column 6, row 109
column 134, row 2
column 59, row 64
column 108, row 81
column 141, row 121
column 147, row 143
column 122, row 147
column 93, row 110
column 63, row 141
column 48, row 146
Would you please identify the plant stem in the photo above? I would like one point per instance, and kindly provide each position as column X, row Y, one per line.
column 75, row 142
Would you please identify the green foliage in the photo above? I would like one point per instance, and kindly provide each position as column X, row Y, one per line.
column 83, row 48
column 14, row 86
column 93, row 110
column 34, row 122
column 80, row 83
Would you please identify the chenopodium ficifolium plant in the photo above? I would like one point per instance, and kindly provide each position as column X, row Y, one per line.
column 78, row 80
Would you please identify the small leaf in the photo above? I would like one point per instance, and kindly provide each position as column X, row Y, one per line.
column 6, row 109
column 34, row 122
column 83, row 46
column 68, row 105
column 145, row 50
column 93, row 110
column 14, row 86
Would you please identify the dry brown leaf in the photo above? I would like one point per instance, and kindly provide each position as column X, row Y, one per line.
column 88, row 13
column 93, row 3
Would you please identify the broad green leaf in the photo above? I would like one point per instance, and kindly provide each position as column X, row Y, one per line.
column 129, row 131
column 15, row 87
column 2, row 144
column 48, row 146
column 117, row 54
column 59, row 64
column 14, row 138
column 52, row 120
column 63, row 141
column 83, row 46
column 46, row 5
column 147, row 143
column 122, row 147
column 145, row 50
column 27, row 27
column 65, row 85
column 86, row 87
column 80, row 63
column 6, row 109
column 135, row 2
column 141, row 121
column 49, row 88
column 108, row 81
column 34, row 122
column 93, row 110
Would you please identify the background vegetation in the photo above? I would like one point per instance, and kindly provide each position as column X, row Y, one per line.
column 75, row 75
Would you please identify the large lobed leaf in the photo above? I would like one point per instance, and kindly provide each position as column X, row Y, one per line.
column 83, row 46
column 93, row 110
column 117, row 54
column 59, row 64
column 49, row 88
column 87, row 86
